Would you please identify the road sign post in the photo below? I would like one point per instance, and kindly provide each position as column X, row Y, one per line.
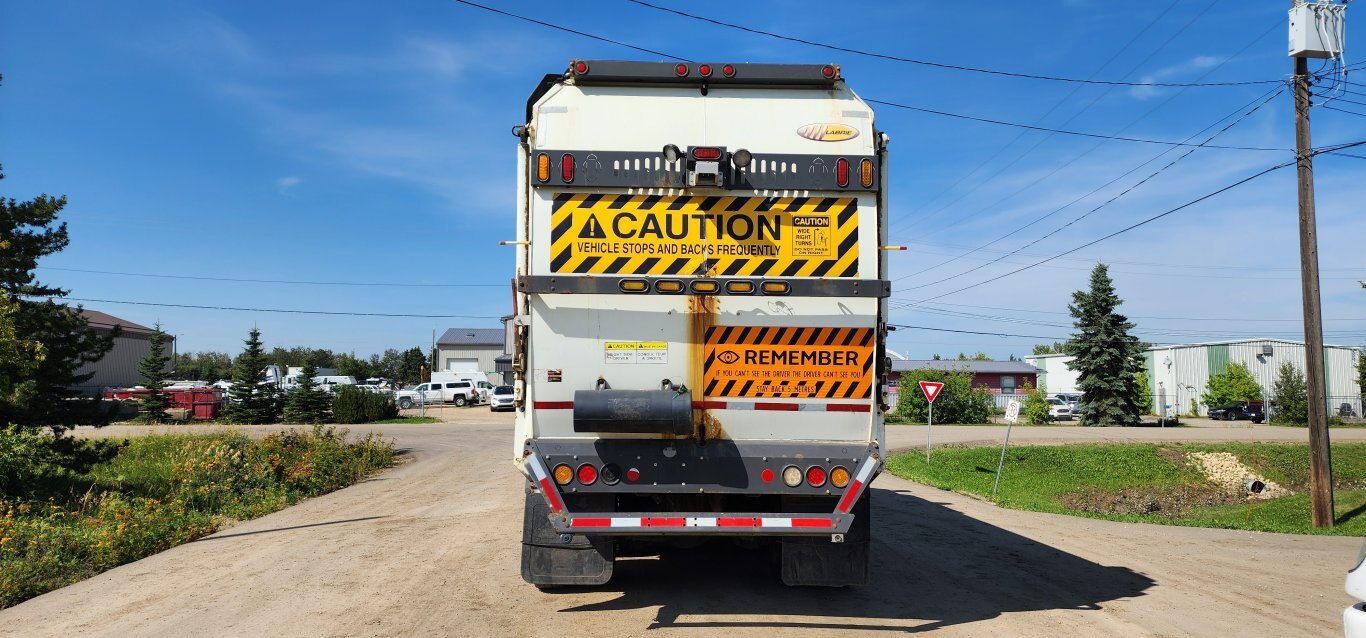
column 1012, row 415
column 931, row 390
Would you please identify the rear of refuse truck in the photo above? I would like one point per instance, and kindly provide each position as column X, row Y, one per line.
column 700, row 316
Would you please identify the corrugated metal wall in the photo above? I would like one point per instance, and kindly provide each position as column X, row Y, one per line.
column 119, row 368
column 485, row 355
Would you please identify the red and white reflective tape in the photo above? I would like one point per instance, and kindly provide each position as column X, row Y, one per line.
column 740, row 405
column 861, row 479
column 542, row 477
column 679, row 522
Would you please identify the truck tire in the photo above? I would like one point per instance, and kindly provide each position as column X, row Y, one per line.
column 460, row 401
column 815, row 561
column 549, row 560
column 405, row 403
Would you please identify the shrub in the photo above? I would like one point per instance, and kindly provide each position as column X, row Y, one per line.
column 958, row 401
column 354, row 405
column 1235, row 383
column 1036, row 405
column 1291, row 399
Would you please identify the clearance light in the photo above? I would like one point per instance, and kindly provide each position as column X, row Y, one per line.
column 828, row 71
column 633, row 475
column 766, row 475
column 581, row 67
column 839, row 477
column 792, row 476
column 567, row 168
column 563, row 474
column 611, row 474
column 842, row 172
column 705, row 287
column 669, row 285
column 776, row 287
column 589, row 474
column 815, row 476
column 633, row 285
column 705, row 70
column 865, row 173
column 543, row 167
column 728, row 70
column 740, row 287
column 706, row 153
column 681, row 70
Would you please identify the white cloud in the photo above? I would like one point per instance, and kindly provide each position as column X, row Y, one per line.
column 287, row 182
column 1173, row 72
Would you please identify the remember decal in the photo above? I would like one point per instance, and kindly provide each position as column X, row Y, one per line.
column 799, row 363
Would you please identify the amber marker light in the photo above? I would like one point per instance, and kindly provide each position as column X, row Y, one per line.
column 563, row 474
column 776, row 287
column 633, row 285
column 839, row 477
column 740, row 287
column 543, row 167
column 705, row 287
column 669, row 285
column 865, row 172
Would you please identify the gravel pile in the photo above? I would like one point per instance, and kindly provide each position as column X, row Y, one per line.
column 1226, row 471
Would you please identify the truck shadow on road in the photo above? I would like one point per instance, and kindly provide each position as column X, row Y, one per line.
column 933, row 567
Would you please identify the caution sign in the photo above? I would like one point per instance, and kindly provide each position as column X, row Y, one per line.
column 699, row 235
column 795, row 363
column 635, row 352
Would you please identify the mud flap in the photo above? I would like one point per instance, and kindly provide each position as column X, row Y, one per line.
column 816, row 561
column 547, row 560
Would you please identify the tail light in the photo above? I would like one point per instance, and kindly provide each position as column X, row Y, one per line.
column 728, row 70
column 766, row 475
column 839, row 477
column 704, row 70
column 828, row 71
column 707, row 153
column 842, row 172
column 563, row 474
column 633, row 475
column 792, row 476
column 865, row 172
column 543, row 168
column 588, row 474
column 567, row 168
column 681, row 70
column 815, row 476
column 581, row 67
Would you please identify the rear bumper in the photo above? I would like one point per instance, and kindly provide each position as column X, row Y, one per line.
column 681, row 468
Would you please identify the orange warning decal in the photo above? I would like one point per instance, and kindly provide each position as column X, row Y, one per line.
column 794, row 363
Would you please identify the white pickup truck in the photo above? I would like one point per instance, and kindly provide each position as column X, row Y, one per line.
column 461, row 393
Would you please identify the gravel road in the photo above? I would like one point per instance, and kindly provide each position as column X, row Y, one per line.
column 431, row 548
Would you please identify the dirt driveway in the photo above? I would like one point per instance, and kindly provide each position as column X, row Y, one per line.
column 431, row 548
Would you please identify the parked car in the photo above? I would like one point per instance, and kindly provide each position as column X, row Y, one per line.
column 502, row 398
column 461, row 393
column 1059, row 410
column 1244, row 410
column 1354, row 617
column 1070, row 399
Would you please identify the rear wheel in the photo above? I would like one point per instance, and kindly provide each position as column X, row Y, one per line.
column 460, row 401
column 405, row 403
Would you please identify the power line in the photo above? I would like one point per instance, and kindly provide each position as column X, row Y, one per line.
column 1121, row 231
column 900, row 326
column 1116, row 138
column 1056, row 312
column 941, row 65
column 1122, row 193
column 573, row 31
column 271, row 281
column 280, row 310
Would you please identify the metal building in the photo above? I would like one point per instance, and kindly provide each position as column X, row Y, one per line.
column 1179, row 373
column 119, row 367
column 471, row 350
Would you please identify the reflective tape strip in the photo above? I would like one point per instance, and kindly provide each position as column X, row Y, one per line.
column 812, row 522
column 676, row 522
column 782, row 407
column 553, row 405
column 701, row 522
column 542, row 476
column 776, row 522
column 625, row 522
column 590, row 522
column 861, row 479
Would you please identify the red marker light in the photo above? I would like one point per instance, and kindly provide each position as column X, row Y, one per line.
column 815, row 476
column 706, row 153
column 633, row 475
column 567, row 168
column 828, row 71
column 766, row 475
column 588, row 474
column 681, row 70
column 581, row 67
column 842, row 172
column 728, row 70
column 705, row 70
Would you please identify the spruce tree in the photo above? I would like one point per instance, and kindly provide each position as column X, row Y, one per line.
column 153, row 369
column 250, row 399
column 28, row 232
column 307, row 403
column 1106, row 357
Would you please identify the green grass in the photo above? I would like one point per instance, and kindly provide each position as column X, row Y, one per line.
column 412, row 420
column 1147, row 483
column 59, row 525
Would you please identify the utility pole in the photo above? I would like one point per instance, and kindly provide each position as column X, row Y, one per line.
column 1320, row 455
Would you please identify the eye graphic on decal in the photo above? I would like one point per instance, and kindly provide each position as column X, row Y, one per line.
column 728, row 357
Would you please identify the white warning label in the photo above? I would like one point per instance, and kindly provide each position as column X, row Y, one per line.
column 615, row 352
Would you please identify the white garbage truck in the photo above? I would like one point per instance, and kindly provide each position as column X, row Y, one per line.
column 700, row 316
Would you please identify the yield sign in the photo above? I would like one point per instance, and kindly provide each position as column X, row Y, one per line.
column 931, row 389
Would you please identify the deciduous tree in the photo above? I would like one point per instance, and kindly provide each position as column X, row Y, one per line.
column 1235, row 383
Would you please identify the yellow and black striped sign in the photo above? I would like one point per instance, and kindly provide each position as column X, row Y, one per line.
column 795, row 363
column 701, row 235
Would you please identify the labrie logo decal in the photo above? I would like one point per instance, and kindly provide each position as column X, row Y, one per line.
column 828, row 132
column 728, row 356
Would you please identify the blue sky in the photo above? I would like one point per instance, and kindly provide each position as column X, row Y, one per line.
column 368, row 143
